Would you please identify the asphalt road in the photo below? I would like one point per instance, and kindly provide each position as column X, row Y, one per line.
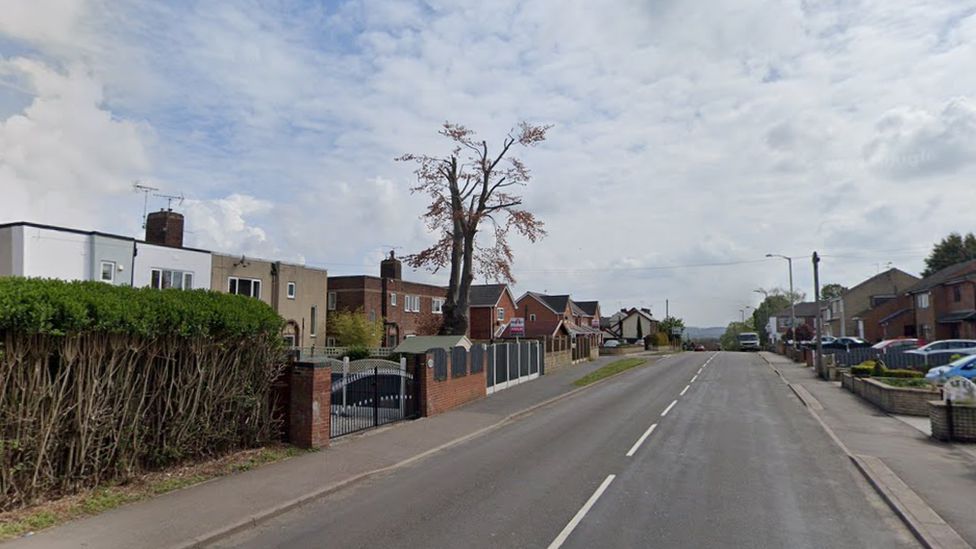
column 734, row 461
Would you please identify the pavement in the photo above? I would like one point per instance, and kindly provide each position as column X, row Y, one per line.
column 933, row 483
column 202, row 513
column 696, row 450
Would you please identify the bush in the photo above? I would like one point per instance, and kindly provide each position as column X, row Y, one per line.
column 903, row 373
column 861, row 371
column 662, row 339
column 879, row 369
column 357, row 352
column 98, row 382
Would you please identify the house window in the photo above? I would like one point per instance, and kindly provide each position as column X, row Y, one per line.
column 311, row 329
column 108, row 272
column 501, row 313
column 291, row 290
column 532, row 317
column 392, row 299
column 289, row 340
column 332, row 301
column 330, row 342
column 957, row 293
column 244, row 286
column 922, row 301
column 411, row 303
column 372, row 315
column 161, row 279
column 437, row 305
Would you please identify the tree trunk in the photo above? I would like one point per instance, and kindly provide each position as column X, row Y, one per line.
column 455, row 317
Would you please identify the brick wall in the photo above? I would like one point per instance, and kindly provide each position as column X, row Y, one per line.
column 309, row 405
column 963, row 421
column 481, row 323
column 437, row 397
column 558, row 359
column 907, row 401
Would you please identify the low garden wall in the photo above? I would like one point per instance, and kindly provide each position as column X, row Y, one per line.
column 909, row 401
column 556, row 360
column 445, row 385
column 621, row 350
column 963, row 421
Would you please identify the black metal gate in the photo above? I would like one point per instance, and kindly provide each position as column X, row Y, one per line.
column 369, row 393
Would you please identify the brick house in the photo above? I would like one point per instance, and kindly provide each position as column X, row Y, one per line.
column 587, row 313
column 890, row 320
column 552, row 313
column 806, row 314
column 944, row 303
column 492, row 307
column 403, row 306
column 844, row 315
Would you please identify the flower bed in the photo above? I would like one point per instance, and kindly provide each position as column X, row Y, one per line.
column 911, row 401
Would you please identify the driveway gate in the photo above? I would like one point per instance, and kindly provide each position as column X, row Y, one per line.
column 369, row 393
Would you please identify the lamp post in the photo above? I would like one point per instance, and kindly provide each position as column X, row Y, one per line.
column 789, row 261
column 742, row 312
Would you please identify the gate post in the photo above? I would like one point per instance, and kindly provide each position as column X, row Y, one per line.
column 310, row 404
column 403, row 383
column 345, row 381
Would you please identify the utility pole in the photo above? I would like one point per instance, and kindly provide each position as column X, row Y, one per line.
column 816, row 297
column 667, row 308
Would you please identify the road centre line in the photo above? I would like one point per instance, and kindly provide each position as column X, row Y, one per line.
column 647, row 433
column 700, row 369
column 685, row 390
column 564, row 535
column 668, row 409
column 696, row 377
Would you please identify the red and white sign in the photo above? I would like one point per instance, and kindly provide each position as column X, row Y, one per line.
column 517, row 327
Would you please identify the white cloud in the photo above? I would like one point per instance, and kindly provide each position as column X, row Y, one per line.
column 684, row 133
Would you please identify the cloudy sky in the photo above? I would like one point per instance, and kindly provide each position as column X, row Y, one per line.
column 689, row 138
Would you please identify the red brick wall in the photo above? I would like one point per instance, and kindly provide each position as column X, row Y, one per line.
column 309, row 405
column 437, row 397
column 531, row 306
column 874, row 331
column 481, row 323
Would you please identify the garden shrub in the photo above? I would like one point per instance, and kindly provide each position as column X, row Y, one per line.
column 98, row 382
column 903, row 373
column 861, row 371
column 357, row 352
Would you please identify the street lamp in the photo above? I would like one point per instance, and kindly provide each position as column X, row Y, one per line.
column 743, row 313
column 789, row 260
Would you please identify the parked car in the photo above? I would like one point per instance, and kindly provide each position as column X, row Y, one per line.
column 902, row 344
column 946, row 347
column 963, row 367
column 611, row 343
column 699, row 347
column 846, row 343
column 811, row 344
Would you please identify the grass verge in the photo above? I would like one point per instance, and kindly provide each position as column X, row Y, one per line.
column 614, row 367
column 18, row 522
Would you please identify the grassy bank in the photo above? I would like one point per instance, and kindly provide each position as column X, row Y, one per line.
column 610, row 369
column 92, row 502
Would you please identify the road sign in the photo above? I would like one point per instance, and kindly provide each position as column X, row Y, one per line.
column 676, row 331
column 517, row 327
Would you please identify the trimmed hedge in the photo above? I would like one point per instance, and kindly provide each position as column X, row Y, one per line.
column 99, row 382
column 873, row 368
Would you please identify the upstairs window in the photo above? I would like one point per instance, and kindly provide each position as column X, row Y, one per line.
column 532, row 317
column 922, row 301
column 250, row 287
column 501, row 313
column 291, row 290
column 393, row 299
column 332, row 301
column 312, row 320
column 437, row 305
column 411, row 303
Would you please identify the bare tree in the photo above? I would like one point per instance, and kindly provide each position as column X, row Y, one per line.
column 469, row 186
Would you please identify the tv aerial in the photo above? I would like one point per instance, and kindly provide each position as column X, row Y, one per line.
column 146, row 190
column 170, row 198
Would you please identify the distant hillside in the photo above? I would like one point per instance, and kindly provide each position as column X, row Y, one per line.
column 692, row 332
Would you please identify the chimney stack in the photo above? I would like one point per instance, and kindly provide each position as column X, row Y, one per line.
column 391, row 267
column 165, row 228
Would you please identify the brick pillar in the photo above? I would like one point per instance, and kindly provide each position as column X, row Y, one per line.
column 309, row 405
